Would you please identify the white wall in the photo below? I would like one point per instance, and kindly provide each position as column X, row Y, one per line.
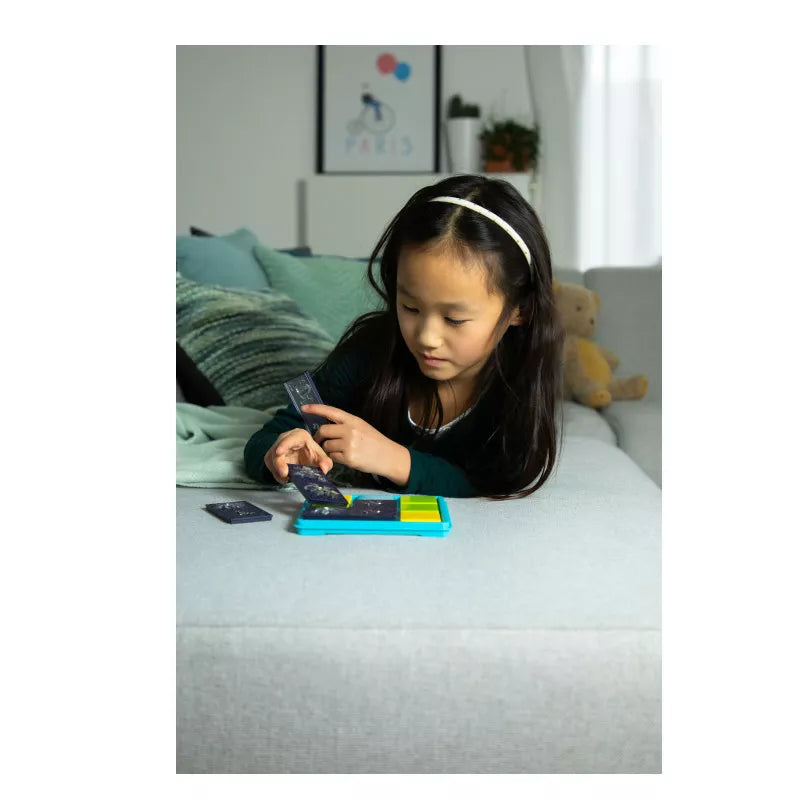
column 246, row 129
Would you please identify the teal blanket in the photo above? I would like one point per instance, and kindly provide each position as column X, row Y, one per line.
column 210, row 444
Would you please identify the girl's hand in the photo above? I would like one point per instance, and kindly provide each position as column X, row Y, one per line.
column 295, row 447
column 351, row 441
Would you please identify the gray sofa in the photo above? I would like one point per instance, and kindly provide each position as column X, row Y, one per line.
column 629, row 323
column 526, row 641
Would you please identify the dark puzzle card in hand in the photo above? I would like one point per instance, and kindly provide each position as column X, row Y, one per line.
column 378, row 509
column 302, row 390
column 315, row 486
column 239, row 511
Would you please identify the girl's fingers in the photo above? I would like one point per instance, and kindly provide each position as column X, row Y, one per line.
column 315, row 455
column 288, row 447
column 329, row 431
column 296, row 447
column 322, row 459
column 294, row 440
column 333, row 448
column 332, row 413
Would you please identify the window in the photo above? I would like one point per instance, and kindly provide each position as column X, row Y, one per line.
column 620, row 157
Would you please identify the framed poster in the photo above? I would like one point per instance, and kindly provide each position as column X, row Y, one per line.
column 378, row 108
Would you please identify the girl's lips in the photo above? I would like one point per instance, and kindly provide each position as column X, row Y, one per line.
column 431, row 361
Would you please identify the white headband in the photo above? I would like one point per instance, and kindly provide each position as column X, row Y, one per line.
column 489, row 215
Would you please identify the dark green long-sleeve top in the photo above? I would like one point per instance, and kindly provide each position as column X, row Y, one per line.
column 437, row 465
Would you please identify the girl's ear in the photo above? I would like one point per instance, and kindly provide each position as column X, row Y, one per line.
column 516, row 317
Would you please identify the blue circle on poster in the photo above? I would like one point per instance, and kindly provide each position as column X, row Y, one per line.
column 402, row 71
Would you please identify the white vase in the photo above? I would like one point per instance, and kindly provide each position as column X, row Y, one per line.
column 463, row 144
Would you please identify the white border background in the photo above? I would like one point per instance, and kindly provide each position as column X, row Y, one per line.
column 88, row 572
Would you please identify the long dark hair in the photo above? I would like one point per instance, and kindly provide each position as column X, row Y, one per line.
column 520, row 382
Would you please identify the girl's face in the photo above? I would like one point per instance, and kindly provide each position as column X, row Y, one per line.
column 448, row 317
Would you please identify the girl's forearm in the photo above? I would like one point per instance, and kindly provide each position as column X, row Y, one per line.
column 398, row 468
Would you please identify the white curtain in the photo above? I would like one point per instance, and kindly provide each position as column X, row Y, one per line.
column 599, row 109
column 620, row 157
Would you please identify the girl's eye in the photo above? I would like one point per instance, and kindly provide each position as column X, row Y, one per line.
column 455, row 321
column 410, row 310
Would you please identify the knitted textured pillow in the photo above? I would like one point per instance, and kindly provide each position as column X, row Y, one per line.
column 247, row 343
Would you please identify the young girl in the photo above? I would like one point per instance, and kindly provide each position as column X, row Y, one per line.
column 452, row 389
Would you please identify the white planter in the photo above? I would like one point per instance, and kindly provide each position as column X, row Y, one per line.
column 463, row 144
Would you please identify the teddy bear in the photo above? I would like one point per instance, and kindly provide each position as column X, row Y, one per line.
column 588, row 367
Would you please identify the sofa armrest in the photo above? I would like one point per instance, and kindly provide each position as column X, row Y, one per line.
column 637, row 425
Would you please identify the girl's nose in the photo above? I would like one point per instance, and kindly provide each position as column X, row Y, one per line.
column 428, row 334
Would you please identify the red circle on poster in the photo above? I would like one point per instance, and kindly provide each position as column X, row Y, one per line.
column 386, row 63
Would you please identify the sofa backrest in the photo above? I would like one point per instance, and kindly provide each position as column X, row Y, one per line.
column 567, row 275
column 629, row 319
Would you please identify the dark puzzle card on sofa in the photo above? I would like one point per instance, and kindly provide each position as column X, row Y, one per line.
column 239, row 511
column 313, row 484
column 302, row 390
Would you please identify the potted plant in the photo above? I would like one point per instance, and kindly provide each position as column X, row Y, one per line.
column 509, row 146
column 463, row 127
column 457, row 109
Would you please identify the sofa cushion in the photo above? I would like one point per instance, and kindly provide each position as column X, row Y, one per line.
column 582, row 551
column 242, row 238
column 332, row 290
column 578, row 420
column 637, row 425
column 302, row 250
column 246, row 343
column 221, row 260
column 527, row 640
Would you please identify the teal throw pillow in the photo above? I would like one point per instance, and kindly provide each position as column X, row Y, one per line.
column 331, row 289
column 221, row 260
column 246, row 240
column 247, row 343
column 243, row 239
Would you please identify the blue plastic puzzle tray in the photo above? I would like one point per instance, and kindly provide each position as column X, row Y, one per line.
column 410, row 515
